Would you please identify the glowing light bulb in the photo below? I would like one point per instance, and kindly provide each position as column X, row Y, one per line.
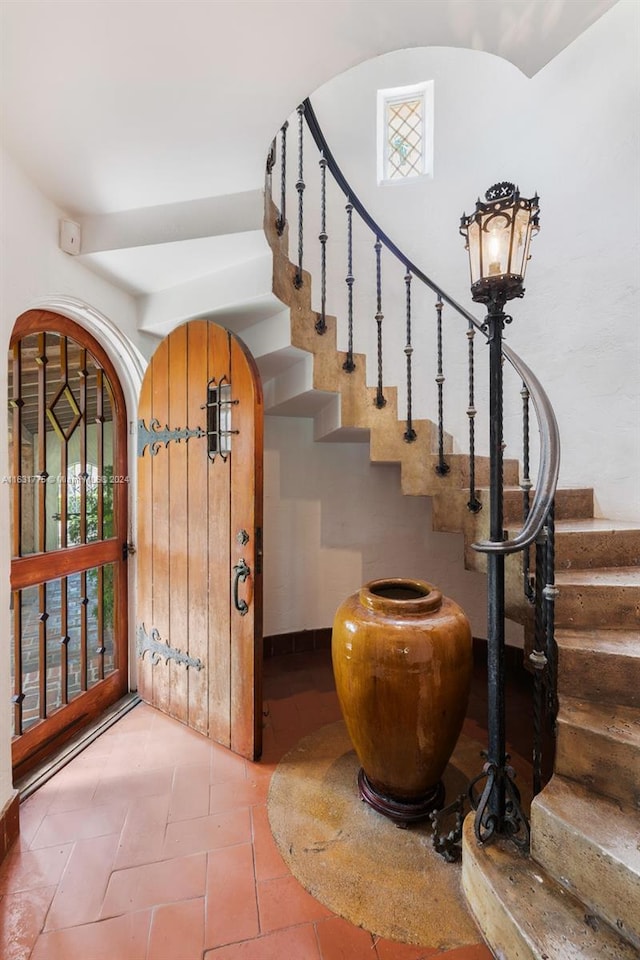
column 494, row 254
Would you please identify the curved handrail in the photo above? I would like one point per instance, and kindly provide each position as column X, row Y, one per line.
column 548, row 427
column 549, row 463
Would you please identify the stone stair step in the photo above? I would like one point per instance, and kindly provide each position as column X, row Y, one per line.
column 570, row 503
column 598, row 745
column 574, row 503
column 524, row 914
column 599, row 665
column 591, row 543
column 589, row 844
column 596, row 598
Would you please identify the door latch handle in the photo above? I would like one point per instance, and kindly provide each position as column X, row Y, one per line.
column 241, row 571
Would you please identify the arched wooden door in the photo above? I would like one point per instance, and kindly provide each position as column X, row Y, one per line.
column 199, row 590
column 68, row 449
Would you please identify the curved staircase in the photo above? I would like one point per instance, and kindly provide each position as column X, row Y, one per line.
column 577, row 895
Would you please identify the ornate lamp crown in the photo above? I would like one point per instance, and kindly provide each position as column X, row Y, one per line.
column 498, row 235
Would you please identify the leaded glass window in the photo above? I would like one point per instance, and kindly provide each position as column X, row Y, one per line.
column 405, row 132
column 405, row 125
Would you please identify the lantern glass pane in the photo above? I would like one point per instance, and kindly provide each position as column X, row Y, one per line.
column 496, row 235
column 521, row 236
column 473, row 239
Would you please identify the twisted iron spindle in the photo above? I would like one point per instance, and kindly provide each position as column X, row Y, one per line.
column 550, row 593
column 474, row 505
column 442, row 467
column 538, row 659
column 282, row 219
column 525, row 486
column 380, row 400
column 409, row 434
column 300, row 188
column 349, row 364
column 321, row 322
column 271, row 158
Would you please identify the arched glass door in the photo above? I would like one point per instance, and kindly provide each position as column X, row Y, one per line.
column 69, row 492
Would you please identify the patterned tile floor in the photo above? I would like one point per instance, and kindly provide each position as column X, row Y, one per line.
column 154, row 844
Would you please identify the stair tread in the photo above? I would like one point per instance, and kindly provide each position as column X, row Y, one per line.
column 517, row 486
column 595, row 524
column 604, row 640
column 607, row 824
column 601, row 576
column 619, row 722
column 550, row 922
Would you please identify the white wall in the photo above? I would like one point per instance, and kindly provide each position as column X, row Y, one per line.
column 571, row 133
column 333, row 521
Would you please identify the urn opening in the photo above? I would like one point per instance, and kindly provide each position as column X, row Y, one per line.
column 398, row 592
column 401, row 596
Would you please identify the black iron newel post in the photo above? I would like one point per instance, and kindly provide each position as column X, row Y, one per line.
column 498, row 235
column 496, row 757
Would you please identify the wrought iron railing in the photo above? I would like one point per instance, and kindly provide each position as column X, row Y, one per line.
column 538, row 526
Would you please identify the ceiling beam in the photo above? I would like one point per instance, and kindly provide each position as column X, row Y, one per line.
column 191, row 219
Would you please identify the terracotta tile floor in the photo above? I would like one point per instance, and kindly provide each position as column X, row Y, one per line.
column 154, row 844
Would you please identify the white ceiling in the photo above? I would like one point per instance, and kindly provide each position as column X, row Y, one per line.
column 112, row 106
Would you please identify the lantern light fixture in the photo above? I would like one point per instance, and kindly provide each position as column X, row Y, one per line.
column 498, row 236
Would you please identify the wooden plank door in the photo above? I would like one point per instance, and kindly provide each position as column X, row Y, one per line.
column 199, row 589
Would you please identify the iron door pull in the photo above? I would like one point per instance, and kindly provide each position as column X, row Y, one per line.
column 241, row 571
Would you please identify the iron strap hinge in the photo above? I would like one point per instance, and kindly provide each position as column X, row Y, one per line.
column 153, row 436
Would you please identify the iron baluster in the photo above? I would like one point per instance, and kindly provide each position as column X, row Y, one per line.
column 409, row 434
column 271, row 161
column 282, row 219
column 550, row 593
column 300, row 188
column 349, row 364
column 380, row 400
column 544, row 655
column 474, row 503
column 321, row 322
column 538, row 659
column 525, row 486
column 442, row 467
